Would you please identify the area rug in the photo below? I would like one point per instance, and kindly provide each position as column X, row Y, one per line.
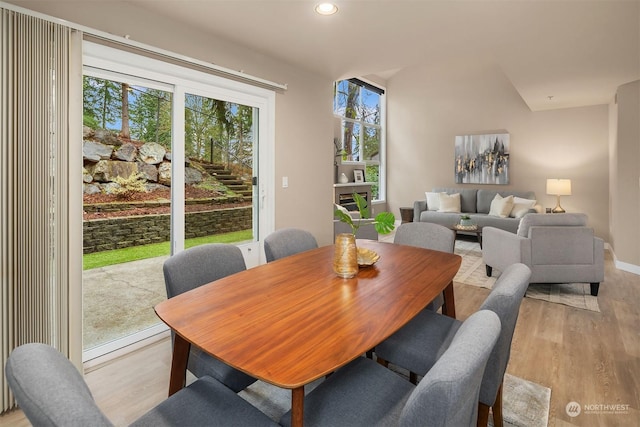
column 525, row 404
column 472, row 272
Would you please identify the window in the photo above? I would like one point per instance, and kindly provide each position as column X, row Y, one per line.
column 360, row 107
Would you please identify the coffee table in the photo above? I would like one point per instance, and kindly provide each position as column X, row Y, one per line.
column 462, row 229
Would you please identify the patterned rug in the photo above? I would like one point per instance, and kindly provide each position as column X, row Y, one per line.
column 524, row 404
column 472, row 272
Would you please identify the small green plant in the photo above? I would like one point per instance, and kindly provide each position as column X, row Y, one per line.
column 465, row 217
column 384, row 222
column 136, row 183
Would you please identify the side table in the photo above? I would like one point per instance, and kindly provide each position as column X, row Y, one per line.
column 406, row 214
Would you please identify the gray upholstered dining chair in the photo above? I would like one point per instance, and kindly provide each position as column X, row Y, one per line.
column 427, row 235
column 195, row 267
column 364, row 393
column 421, row 342
column 51, row 392
column 288, row 241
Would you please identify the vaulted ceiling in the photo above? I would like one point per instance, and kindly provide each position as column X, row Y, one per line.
column 577, row 52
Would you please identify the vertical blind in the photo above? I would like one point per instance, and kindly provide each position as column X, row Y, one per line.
column 34, row 183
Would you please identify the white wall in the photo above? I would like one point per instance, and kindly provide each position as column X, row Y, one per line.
column 625, row 174
column 428, row 106
column 304, row 117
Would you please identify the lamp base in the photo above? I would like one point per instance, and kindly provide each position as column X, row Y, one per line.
column 558, row 208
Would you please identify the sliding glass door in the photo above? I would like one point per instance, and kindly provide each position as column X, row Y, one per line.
column 172, row 159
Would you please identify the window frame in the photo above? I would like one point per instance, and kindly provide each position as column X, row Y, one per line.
column 363, row 124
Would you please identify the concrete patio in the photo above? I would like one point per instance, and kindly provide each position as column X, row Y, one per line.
column 118, row 300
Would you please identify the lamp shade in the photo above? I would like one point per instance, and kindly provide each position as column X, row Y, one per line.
column 559, row 187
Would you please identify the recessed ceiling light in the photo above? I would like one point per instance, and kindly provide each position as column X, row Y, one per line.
column 326, row 8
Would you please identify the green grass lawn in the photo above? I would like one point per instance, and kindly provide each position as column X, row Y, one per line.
column 134, row 253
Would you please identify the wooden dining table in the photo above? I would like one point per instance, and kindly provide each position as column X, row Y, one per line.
column 292, row 321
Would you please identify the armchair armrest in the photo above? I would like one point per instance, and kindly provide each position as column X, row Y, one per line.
column 501, row 248
column 419, row 206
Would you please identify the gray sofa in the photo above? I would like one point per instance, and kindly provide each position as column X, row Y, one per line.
column 473, row 202
column 559, row 248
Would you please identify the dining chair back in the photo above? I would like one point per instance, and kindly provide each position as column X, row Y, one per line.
column 195, row 267
column 49, row 389
column 448, row 393
column 427, row 235
column 52, row 393
column 288, row 241
column 199, row 265
column 504, row 300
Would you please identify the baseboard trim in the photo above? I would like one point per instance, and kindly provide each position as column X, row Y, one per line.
column 99, row 356
column 624, row 266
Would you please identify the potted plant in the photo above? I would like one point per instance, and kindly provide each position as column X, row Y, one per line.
column 384, row 222
column 345, row 261
column 465, row 220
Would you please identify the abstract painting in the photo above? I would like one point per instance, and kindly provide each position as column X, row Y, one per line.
column 482, row 159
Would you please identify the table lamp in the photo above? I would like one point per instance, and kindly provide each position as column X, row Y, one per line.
column 558, row 187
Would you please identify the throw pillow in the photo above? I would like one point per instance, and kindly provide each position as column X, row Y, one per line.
column 521, row 207
column 449, row 202
column 433, row 200
column 500, row 206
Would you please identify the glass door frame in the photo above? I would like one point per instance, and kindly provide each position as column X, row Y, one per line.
column 103, row 60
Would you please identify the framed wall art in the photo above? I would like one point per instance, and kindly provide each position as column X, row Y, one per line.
column 482, row 159
column 358, row 175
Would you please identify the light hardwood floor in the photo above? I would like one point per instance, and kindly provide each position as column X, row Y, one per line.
column 585, row 357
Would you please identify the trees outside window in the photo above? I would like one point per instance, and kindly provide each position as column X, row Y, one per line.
column 361, row 107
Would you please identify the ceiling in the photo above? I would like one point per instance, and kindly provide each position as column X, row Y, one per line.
column 576, row 52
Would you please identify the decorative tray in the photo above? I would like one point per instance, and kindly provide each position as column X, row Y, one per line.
column 367, row 257
column 466, row 227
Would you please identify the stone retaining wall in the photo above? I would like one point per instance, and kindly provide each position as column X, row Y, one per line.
column 115, row 233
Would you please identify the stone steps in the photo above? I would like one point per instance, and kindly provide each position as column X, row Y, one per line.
column 232, row 182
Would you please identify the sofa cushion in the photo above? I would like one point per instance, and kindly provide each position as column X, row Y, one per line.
column 468, row 198
column 564, row 219
column 485, row 197
column 433, row 200
column 501, row 206
column 447, row 219
column 486, row 220
column 521, row 207
column 449, row 202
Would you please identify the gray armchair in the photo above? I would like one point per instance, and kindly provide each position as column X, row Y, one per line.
column 558, row 248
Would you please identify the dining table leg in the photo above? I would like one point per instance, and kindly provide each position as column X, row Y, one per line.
column 449, row 306
column 297, row 407
column 179, row 361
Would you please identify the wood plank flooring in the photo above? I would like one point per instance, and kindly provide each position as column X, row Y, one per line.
column 585, row 357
